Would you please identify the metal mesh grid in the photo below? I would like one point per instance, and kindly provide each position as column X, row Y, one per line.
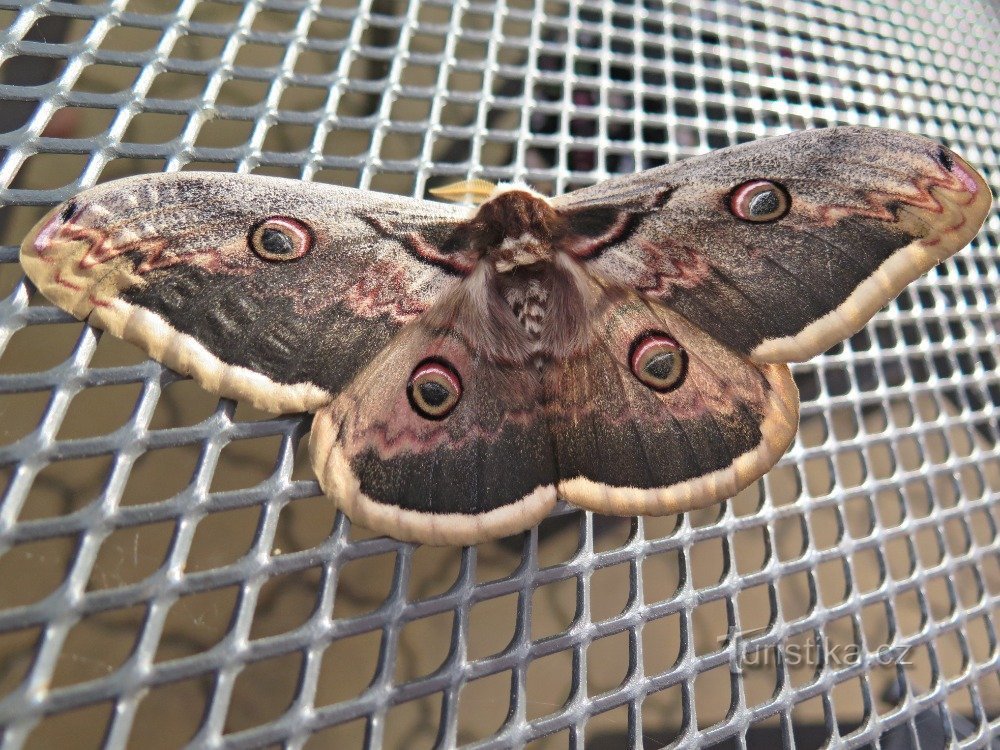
column 168, row 574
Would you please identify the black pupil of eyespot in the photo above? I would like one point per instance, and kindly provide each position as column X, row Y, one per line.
column 660, row 365
column 276, row 242
column 434, row 394
column 764, row 203
column 945, row 158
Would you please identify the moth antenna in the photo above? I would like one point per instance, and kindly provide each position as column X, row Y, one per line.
column 472, row 191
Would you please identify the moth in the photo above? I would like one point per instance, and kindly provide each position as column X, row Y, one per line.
column 622, row 346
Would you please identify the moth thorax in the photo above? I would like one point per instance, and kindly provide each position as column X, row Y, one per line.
column 517, row 252
column 520, row 225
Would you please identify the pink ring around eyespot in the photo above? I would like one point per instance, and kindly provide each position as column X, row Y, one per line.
column 434, row 368
column 296, row 228
column 650, row 341
column 741, row 191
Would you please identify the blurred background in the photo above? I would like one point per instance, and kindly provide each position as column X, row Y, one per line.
column 169, row 572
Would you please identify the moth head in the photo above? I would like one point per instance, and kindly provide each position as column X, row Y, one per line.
column 658, row 361
column 434, row 389
column 516, row 227
column 759, row 201
column 280, row 238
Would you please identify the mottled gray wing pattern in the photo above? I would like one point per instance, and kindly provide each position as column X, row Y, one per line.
column 165, row 261
column 870, row 210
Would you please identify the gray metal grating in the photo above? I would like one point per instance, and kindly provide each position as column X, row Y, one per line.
column 167, row 572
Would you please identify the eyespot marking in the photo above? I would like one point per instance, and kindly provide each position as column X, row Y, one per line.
column 280, row 238
column 759, row 201
column 658, row 361
column 434, row 389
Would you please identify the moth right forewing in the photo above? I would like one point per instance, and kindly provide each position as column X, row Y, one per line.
column 784, row 246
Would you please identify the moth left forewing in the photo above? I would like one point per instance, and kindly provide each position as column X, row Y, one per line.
column 626, row 448
column 853, row 215
column 274, row 291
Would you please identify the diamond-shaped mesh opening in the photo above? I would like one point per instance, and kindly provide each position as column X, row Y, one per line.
column 168, row 570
